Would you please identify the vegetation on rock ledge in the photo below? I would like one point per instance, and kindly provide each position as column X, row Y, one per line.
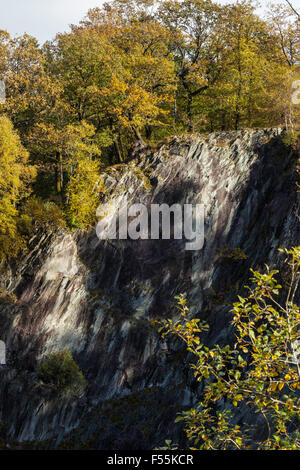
column 259, row 375
column 61, row 371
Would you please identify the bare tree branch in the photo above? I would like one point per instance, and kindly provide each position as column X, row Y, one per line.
column 295, row 11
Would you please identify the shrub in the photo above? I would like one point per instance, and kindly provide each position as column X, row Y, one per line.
column 261, row 372
column 37, row 214
column 61, row 371
column 290, row 138
column 235, row 254
column 11, row 245
column 9, row 297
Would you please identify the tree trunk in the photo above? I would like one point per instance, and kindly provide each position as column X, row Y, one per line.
column 189, row 111
column 138, row 136
column 175, row 111
column 239, row 91
column 148, row 130
column 118, row 150
column 59, row 173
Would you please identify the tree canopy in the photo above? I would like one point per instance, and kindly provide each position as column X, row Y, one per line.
column 141, row 70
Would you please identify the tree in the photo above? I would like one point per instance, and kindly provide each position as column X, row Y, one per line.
column 250, row 68
column 196, row 46
column 63, row 148
column 287, row 33
column 4, row 46
column 261, row 372
column 283, row 23
column 144, row 42
column 15, row 176
column 83, row 60
column 293, row 9
column 85, row 183
column 131, row 79
column 142, row 70
column 31, row 94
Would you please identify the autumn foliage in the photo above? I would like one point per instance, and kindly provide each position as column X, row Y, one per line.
column 258, row 376
column 136, row 70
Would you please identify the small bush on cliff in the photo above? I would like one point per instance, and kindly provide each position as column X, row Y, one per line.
column 36, row 214
column 261, row 372
column 291, row 138
column 60, row 370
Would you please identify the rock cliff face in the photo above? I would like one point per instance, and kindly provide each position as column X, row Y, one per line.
column 96, row 297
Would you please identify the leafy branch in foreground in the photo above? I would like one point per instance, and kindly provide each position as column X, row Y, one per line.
column 260, row 374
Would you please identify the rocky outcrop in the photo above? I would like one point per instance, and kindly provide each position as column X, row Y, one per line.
column 97, row 298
